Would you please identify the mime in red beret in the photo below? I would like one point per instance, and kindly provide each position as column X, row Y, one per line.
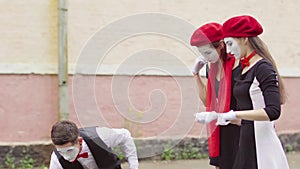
column 215, row 93
column 259, row 93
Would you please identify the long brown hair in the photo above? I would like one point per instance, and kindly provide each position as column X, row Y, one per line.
column 261, row 48
column 223, row 54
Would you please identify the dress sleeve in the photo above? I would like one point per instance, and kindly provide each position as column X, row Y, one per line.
column 268, row 83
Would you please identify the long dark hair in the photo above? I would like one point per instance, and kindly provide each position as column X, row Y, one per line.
column 261, row 48
column 223, row 55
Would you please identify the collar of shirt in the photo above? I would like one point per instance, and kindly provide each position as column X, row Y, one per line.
column 87, row 163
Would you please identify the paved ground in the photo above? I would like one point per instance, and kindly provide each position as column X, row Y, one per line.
column 293, row 158
column 294, row 161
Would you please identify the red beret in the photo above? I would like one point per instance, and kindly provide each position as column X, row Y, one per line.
column 241, row 26
column 206, row 34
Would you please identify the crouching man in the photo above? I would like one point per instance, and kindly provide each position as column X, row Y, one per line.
column 90, row 147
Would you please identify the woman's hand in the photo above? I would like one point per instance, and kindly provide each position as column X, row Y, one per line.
column 199, row 63
column 205, row 117
column 225, row 118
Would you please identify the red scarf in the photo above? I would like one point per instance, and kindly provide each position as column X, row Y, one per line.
column 220, row 106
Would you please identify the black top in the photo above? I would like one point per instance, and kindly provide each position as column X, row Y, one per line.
column 266, row 79
column 235, row 72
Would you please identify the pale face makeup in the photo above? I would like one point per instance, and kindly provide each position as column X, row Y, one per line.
column 68, row 151
column 233, row 47
column 209, row 53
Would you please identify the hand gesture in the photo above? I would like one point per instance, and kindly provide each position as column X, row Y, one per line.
column 205, row 117
column 199, row 63
column 224, row 118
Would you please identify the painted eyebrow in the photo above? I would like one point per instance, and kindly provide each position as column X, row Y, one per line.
column 70, row 148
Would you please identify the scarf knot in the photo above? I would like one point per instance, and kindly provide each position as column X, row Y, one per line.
column 245, row 61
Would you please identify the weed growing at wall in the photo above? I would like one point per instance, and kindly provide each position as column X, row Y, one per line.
column 25, row 162
column 182, row 153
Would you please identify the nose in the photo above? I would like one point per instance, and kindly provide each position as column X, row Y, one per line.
column 228, row 50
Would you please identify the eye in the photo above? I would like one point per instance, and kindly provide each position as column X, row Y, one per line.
column 207, row 52
column 229, row 43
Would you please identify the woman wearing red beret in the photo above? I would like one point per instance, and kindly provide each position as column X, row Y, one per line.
column 217, row 93
column 259, row 93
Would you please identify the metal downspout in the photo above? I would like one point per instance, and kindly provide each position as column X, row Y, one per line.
column 63, row 60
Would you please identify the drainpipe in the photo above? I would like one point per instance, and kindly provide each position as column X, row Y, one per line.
column 63, row 96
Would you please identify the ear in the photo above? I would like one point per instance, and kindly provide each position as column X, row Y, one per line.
column 246, row 40
column 222, row 44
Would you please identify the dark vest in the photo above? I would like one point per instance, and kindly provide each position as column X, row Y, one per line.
column 104, row 157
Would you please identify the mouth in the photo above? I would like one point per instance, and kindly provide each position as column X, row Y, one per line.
column 230, row 54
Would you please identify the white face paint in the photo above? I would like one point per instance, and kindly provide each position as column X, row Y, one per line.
column 69, row 153
column 209, row 53
column 233, row 47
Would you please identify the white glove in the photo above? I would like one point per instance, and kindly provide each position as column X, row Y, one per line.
column 199, row 63
column 224, row 118
column 205, row 117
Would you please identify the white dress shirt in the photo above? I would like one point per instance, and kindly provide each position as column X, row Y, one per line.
column 112, row 138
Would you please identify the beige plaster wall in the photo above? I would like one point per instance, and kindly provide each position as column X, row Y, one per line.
column 29, row 30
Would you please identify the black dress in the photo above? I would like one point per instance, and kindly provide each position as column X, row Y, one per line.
column 230, row 134
column 260, row 148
